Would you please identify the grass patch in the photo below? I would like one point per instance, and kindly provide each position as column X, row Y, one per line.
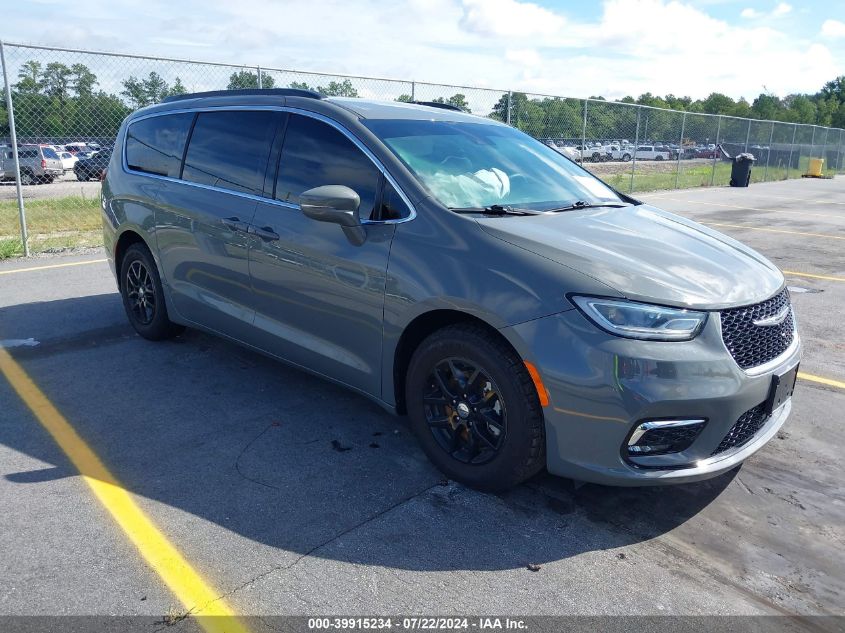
column 53, row 224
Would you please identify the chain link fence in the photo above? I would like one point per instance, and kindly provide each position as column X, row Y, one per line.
column 61, row 106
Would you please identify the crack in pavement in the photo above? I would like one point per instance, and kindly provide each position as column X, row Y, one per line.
column 320, row 546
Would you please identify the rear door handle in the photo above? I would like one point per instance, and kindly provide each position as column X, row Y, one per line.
column 235, row 224
column 266, row 233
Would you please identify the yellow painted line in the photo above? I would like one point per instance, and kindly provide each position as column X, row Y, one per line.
column 191, row 590
column 26, row 270
column 739, row 208
column 812, row 276
column 822, row 380
column 761, row 228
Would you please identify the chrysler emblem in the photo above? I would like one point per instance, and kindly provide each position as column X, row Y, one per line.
column 775, row 319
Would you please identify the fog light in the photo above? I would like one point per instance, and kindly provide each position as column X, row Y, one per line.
column 660, row 437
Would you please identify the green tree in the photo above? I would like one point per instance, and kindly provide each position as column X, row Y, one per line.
column 149, row 90
column 244, row 79
column 29, row 78
column 82, row 80
column 457, row 100
column 405, row 99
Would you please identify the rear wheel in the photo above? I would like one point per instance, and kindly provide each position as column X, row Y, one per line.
column 143, row 297
column 474, row 408
column 626, row 157
column 27, row 178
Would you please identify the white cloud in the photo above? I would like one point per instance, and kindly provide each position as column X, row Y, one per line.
column 523, row 56
column 782, row 9
column 834, row 29
column 750, row 13
column 509, row 18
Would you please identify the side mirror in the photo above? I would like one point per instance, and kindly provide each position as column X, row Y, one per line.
column 337, row 204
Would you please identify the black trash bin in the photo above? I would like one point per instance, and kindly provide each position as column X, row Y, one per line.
column 741, row 170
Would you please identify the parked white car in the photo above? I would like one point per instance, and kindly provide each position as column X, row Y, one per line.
column 623, row 152
column 570, row 152
column 68, row 160
column 650, row 152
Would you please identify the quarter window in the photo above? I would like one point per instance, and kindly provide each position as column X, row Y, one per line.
column 230, row 149
column 155, row 145
column 316, row 154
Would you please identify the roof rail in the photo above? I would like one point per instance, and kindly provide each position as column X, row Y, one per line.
column 437, row 104
column 268, row 92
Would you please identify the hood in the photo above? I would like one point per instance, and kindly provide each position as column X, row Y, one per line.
column 646, row 254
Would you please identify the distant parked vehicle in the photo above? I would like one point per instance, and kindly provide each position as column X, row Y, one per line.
column 623, row 153
column 39, row 163
column 570, row 152
column 92, row 168
column 651, row 152
column 592, row 153
column 706, row 152
column 68, row 160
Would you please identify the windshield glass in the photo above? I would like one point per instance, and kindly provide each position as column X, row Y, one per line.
column 479, row 165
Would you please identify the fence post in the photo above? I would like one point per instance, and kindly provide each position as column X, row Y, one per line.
column 636, row 145
column 824, row 151
column 769, row 153
column 680, row 150
column 792, row 149
column 812, row 143
column 747, row 135
column 260, row 82
column 510, row 106
column 717, row 151
column 839, row 151
column 414, row 92
column 584, row 132
column 14, row 138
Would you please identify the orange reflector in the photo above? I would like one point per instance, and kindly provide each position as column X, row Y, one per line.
column 542, row 392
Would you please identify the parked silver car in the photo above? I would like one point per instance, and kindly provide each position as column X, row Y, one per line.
column 520, row 311
column 39, row 164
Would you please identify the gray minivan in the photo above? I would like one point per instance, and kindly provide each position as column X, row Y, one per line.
column 522, row 313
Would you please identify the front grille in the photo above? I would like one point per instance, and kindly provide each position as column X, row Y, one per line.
column 744, row 429
column 661, row 441
column 752, row 345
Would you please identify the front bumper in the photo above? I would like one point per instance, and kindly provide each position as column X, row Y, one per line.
column 602, row 386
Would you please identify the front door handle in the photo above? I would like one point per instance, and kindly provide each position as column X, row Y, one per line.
column 235, row 224
column 266, row 233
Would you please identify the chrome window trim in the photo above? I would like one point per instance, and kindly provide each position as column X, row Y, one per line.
column 288, row 205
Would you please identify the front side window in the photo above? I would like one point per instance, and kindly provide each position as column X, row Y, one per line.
column 465, row 164
column 230, row 149
column 155, row 145
column 316, row 154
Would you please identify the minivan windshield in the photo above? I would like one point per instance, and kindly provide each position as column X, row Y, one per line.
column 466, row 165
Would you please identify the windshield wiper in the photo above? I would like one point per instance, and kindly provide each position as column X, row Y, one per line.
column 583, row 204
column 495, row 209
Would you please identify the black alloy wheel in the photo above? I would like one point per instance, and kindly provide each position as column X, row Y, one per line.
column 465, row 411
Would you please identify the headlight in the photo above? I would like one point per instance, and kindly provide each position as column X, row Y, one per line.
column 642, row 320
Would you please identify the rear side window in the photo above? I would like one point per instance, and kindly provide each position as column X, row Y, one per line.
column 316, row 154
column 155, row 145
column 230, row 149
column 49, row 152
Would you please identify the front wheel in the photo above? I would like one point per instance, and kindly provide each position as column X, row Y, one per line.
column 474, row 408
column 143, row 297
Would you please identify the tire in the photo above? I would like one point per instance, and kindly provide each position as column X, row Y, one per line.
column 658, row 157
column 147, row 314
column 626, row 158
column 596, row 158
column 27, row 178
column 441, row 423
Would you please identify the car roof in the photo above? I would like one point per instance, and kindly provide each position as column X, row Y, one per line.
column 306, row 100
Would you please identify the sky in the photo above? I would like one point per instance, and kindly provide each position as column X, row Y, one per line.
column 574, row 48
